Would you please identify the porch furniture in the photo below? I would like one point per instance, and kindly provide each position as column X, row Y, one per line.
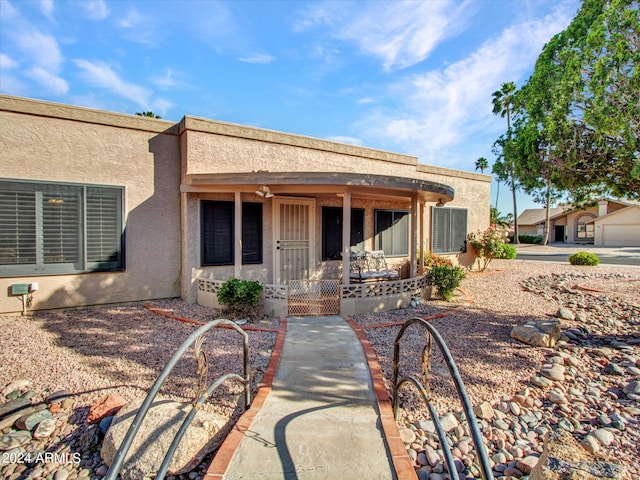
column 370, row 266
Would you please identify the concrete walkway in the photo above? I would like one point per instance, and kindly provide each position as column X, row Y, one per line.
column 559, row 252
column 321, row 419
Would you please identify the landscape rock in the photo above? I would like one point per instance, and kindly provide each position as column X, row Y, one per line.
column 104, row 407
column 161, row 424
column 538, row 333
column 484, row 411
column 566, row 314
column 564, row 458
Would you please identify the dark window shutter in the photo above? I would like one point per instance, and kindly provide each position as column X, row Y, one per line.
column 61, row 225
column 104, row 228
column 448, row 230
column 17, row 228
column 217, row 223
column 251, row 233
column 332, row 231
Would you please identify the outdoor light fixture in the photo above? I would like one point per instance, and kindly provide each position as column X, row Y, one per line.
column 264, row 191
column 440, row 203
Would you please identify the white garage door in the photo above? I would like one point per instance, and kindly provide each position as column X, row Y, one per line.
column 621, row 235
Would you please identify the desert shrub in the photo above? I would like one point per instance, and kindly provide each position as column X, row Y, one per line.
column 240, row 296
column 432, row 260
column 584, row 258
column 488, row 245
column 446, row 278
column 535, row 239
column 509, row 252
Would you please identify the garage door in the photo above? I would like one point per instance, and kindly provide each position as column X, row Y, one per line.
column 621, row 235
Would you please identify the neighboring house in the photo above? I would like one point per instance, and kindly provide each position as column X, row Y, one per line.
column 99, row 207
column 611, row 223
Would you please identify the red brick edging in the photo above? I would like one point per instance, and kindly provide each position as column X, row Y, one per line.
column 222, row 458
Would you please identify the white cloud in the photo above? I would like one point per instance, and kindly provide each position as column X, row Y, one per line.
column 53, row 83
column 167, row 80
column 162, row 106
column 399, row 33
column 257, row 58
column 442, row 107
column 343, row 139
column 42, row 49
column 95, row 9
column 402, row 34
column 101, row 75
column 47, row 7
column 7, row 11
column 6, row 62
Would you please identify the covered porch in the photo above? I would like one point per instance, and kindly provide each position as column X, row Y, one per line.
column 295, row 232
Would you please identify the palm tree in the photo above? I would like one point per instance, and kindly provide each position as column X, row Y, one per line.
column 502, row 105
column 481, row 164
column 148, row 114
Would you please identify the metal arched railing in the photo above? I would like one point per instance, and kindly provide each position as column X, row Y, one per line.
column 196, row 339
column 432, row 333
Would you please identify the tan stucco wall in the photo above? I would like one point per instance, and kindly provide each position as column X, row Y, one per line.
column 218, row 147
column 50, row 142
column 621, row 229
column 472, row 191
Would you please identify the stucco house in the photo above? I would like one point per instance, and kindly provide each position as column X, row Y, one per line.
column 610, row 223
column 99, row 207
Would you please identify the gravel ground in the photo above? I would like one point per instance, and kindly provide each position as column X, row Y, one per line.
column 495, row 367
column 121, row 349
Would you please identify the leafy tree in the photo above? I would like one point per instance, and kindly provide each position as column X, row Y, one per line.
column 148, row 114
column 498, row 219
column 481, row 164
column 580, row 128
column 503, row 102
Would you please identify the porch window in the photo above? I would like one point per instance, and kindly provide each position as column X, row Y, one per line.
column 217, row 226
column 55, row 228
column 585, row 227
column 448, row 230
column 332, row 231
column 392, row 232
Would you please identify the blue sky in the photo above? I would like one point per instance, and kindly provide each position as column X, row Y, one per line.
column 413, row 77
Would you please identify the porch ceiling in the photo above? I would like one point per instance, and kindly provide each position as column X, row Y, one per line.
column 359, row 184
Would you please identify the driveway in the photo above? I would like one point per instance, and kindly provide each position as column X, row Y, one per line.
column 559, row 252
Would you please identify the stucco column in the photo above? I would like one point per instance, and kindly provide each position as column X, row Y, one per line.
column 420, row 269
column 346, row 237
column 237, row 252
column 414, row 235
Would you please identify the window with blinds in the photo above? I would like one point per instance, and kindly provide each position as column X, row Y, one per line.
column 59, row 228
column 217, row 223
column 392, row 232
column 448, row 230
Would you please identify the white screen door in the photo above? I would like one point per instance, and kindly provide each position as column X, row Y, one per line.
column 294, row 239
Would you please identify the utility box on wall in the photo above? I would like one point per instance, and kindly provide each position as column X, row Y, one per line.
column 20, row 289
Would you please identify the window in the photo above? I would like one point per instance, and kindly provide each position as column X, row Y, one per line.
column 392, row 232
column 217, row 224
column 585, row 227
column 448, row 230
column 48, row 228
column 332, row 231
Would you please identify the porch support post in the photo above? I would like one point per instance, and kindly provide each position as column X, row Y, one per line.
column 414, row 235
column 346, row 237
column 237, row 235
column 422, row 245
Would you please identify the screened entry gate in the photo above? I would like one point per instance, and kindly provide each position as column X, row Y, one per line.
column 314, row 297
column 294, row 253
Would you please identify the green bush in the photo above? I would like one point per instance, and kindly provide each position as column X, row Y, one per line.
column 535, row 239
column 531, row 239
column 488, row 245
column 509, row 252
column 584, row 258
column 432, row 259
column 446, row 278
column 240, row 296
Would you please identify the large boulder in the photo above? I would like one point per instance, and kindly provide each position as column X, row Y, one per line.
column 538, row 333
column 156, row 433
column 564, row 458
